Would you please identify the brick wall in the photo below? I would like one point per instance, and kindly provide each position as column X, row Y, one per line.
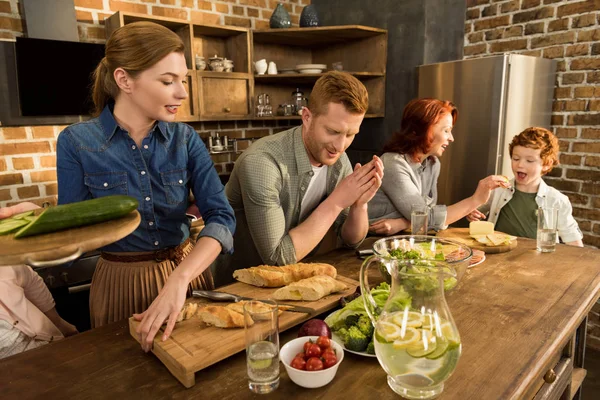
column 27, row 154
column 568, row 31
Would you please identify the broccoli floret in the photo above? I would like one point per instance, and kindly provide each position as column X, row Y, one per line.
column 343, row 334
column 356, row 340
column 371, row 346
column 365, row 325
column 351, row 320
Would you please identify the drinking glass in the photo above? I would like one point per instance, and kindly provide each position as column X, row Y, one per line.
column 262, row 345
column 547, row 224
column 419, row 219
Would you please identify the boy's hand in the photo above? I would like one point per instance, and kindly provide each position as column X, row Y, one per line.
column 475, row 215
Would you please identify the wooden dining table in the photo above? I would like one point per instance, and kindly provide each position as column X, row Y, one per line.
column 517, row 313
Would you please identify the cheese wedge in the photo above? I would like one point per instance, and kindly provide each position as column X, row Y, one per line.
column 481, row 228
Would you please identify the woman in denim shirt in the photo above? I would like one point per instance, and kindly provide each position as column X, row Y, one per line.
column 132, row 147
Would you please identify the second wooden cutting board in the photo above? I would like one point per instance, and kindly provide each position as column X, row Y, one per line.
column 194, row 346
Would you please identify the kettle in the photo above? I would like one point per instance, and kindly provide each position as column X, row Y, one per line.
column 299, row 101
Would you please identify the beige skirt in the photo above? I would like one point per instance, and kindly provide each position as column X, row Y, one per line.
column 120, row 289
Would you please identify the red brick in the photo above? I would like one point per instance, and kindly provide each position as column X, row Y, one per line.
column 540, row 13
column 585, row 226
column 493, row 34
column 509, row 6
column 558, row 25
column 554, row 52
column 178, row 13
column 200, row 17
column 565, row 132
column 591, row 161
column 533, row 28
column 570, row 159
column 168, row 2
column 116, row 5
column 590, row 187
column 39, row 201
column 97, row 4
column 584, row 213
column 529, row 4
column 563, row 185
column 594, row 105
column 24, row 148
column 475, row 37
column 575, row 105
column 95, row 32
column 207, row 5
column 51, row 189
column 11, row 24
column 572, row 78
column 584, row 119
column 550, row 40
column 556, row 120
column 596, row 48
column 14, row 133
column 490, row 10
column 236, row 10
column 587, row 91
column 84, row 16
column 43, row 132
column 593, row 77
column 254, row 3
column 588, row 147
column 253, row 12
column 473, row 13
column 2, row 165
column 581, row 49
column 590, row 133
column 222, row 8
column 28, row 192
column 579, row 7
column 5, row 195
column 591, row 35
column 20, row 163
column 596, row 204
column 512, row 31
column 48, row 161
column 508, row 45
column 585, row 63
column 577, row 198
column 5, row 7
column 583, row 20
column 563, row 145
column 43, row 176
column 237, row 21
column 10, row 179
column 492, row 23
column 561, row 66
column 562, row 93
column 558, row 106
column 261, row 24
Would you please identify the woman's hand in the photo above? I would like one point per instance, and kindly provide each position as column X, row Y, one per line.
column 6, row 212
column 475, row 215
column 389, row 226
column 485, row 187
column 166, row 306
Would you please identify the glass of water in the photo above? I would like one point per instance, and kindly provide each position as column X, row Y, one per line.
column 547, row 224
column 419, row 219
column 262, row 345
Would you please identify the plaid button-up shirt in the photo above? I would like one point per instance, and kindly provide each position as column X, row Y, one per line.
column 266, row 189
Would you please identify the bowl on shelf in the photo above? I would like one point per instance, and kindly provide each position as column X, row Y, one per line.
column 308, row 379
column 311, row 68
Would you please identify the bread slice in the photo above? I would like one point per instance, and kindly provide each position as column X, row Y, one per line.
column 187, row 311
column 222, row 317
column 310, row 289
column 239, row 307
column 269, row 276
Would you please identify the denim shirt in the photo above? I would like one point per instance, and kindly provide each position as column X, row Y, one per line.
column 98, row 158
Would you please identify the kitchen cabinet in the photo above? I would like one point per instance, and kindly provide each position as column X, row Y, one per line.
column 361, row 50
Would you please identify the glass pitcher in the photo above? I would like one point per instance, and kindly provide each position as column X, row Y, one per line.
column 416, row 340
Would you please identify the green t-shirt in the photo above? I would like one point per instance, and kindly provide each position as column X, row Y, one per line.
column 518, row 217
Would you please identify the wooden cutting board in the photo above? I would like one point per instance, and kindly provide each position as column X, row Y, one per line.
column 193, row 345
column 462, row 235
column 55, row 246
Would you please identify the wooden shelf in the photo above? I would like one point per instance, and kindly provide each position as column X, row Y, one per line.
column 280, row 117
column 215, row 74
column 303, row 79
column 319, row 36
column 578, row 375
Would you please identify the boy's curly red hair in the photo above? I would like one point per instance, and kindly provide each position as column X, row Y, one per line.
column 538, row 138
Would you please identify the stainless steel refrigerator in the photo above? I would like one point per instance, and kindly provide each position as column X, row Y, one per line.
column 497, row 97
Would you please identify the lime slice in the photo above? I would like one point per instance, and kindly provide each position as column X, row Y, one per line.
column 428, row 321
column 411, row 338
column 388, row 331
column 260, row 364
column 407, row 318
column 423, row 347
column 440, row 348
column 450, row 334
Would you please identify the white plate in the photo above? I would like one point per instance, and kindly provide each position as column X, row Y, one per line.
column 310, row 71
column 311, row 66
column 339, row 341
column 478, row 262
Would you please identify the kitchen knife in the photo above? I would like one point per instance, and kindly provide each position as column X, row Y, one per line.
column 222, row 296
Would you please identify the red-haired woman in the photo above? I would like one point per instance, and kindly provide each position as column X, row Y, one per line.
column 412, row 169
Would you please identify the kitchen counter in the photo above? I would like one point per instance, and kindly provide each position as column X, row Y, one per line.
column 517, row 314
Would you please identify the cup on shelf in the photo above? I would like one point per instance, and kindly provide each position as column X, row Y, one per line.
column 272, row 69
column 261, row 66
column 200, row 63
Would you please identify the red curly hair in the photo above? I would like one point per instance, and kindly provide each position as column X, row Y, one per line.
column 415, row 129
column 538, row 138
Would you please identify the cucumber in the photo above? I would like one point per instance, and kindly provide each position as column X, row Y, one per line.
column 22, row 215
column 83, row 213
column 12, row 225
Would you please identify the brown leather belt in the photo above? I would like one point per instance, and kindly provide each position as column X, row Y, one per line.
column 171, row 253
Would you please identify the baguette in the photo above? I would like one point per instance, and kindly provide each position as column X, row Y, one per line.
column 222, row 317
column 269, row 276
column 188, row 310
column 310, row 289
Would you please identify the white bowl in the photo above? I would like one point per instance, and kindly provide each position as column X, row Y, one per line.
column 311, row 66
column 308, row 379
column 310, row 71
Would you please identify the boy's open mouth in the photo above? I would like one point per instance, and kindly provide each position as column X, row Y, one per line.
column 521, row 175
